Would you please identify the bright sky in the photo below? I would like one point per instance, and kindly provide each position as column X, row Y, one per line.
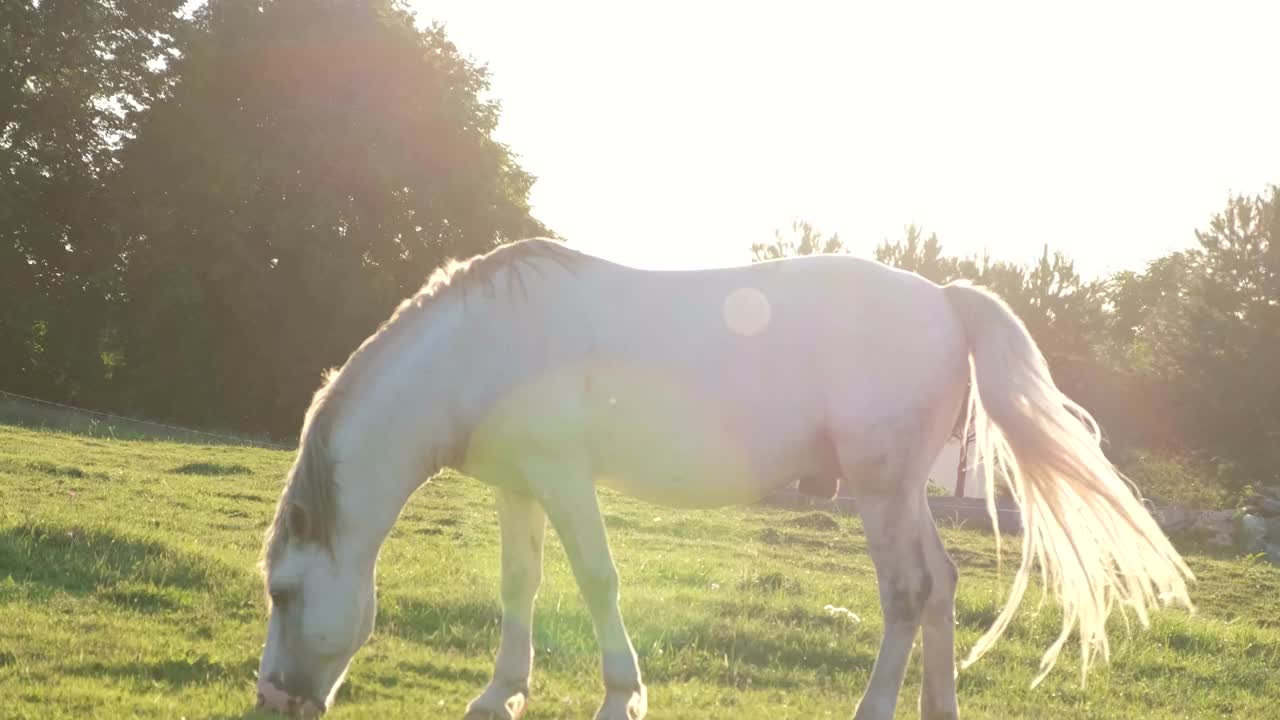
column 676, row 134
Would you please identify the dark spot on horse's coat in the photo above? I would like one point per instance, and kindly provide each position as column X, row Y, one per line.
column 926, row 580
column 951, row 573
column 907, row 600
column 906, row 605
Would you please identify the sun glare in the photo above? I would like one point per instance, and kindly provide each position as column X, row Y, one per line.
column 677, row 134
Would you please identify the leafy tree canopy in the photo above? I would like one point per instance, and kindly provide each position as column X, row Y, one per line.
column 314, row 162
column 73, row 74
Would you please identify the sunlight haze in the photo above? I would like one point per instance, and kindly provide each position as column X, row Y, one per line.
column 676, row 134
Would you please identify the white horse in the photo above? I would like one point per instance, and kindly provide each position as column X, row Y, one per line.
column 545, row 372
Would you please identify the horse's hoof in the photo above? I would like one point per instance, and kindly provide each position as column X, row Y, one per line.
column 487, row 708
column 624, row 705
column 503, row 714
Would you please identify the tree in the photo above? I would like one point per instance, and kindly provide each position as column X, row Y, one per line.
column 1227, row 357
column 920, row 255
column 1144, row 329
column 1149, row 315
column 73, row 73
column 315, row 161
column 807, row 241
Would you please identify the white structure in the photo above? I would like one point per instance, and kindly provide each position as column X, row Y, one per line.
column 943, row 472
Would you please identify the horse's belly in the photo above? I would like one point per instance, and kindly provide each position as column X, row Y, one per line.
column 669, row 476
column 667, row 443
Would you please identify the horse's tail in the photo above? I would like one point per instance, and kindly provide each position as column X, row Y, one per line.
column 1096, row 544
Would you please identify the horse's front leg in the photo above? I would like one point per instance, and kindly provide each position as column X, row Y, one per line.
column 523, row 526
column 568, row 494
column 938, row 682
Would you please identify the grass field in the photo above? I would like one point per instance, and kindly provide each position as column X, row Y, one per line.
column 128, row 589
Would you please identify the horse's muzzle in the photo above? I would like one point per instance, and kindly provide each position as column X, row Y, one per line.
column 274, row 699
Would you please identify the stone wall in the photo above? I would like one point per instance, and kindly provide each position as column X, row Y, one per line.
column 1252, row 529
column 1255, row 528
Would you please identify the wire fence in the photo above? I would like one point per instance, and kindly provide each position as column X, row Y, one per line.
column 26, row 410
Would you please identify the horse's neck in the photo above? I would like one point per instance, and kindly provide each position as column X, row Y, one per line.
column 412, row 412
column 371, row 493
column 401, row 424
column 381, row 459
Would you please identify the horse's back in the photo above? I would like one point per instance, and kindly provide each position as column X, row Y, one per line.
column 717, row 386
column 789, row 325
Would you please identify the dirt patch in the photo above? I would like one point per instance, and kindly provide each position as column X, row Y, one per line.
column 816, row 521
column 211, row 469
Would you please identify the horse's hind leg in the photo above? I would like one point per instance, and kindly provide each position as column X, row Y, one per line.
column 523, row 527
column 888, row 477
column 917, row 583
column 892, row 523
column 887, row 466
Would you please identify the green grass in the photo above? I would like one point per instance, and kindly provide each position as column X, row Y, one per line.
column 128, row 588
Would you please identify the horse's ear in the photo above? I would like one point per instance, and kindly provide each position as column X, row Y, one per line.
column 298, row 520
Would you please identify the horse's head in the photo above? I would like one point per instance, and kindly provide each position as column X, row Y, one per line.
column 322, row 603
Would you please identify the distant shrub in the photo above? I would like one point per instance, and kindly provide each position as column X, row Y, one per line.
column 1174, row 480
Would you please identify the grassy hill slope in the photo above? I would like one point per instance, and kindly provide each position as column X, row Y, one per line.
column 128, row 588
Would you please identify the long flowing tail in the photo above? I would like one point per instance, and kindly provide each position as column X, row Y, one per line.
column 1083, row 523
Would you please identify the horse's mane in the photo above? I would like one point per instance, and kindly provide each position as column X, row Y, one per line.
column 311, row 481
